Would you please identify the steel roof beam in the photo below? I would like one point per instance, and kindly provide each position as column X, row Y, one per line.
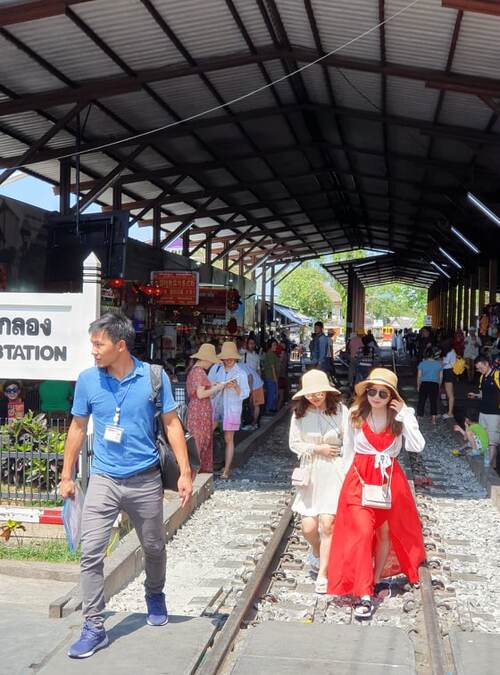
column 15, row 13
column 479, row 6
column 112, row 86
column 452, row 131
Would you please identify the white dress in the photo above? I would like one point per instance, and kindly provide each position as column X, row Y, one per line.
column 327, row 474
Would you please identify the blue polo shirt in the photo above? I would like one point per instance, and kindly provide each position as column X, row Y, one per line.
column 97, row 394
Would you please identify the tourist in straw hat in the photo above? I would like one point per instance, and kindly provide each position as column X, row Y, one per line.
column 365, row 534
column 228, row 403
column 200, row 412
column 316, row 433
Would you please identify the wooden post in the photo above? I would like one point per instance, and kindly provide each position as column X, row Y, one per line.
column 349, row 326
column 185, row 244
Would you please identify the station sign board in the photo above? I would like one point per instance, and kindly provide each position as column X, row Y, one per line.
column 177, row 288
column 44, row 336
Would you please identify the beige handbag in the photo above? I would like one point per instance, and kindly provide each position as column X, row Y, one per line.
column 376, row 496
column 301, row 475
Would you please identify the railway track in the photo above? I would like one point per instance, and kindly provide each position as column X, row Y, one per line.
column 280, row 588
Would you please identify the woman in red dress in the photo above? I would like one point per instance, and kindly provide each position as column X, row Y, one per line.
column 199, row 413
column 372, row 543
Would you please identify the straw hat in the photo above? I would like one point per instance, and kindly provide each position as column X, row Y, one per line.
column 229, row 351
column 206, row 353
column 380, row 376
column 313, row 382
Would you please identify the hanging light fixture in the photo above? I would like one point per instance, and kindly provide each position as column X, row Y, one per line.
column 438, row 267
column 450, row 258
column 464, row 240
column 483, row 208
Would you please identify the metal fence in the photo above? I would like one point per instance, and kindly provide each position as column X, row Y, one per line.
column 30, row 469
column 31, row 464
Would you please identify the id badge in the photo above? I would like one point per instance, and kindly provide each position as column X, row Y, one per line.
column 113, row 433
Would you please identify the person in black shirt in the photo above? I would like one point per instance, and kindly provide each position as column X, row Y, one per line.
column 489, row 407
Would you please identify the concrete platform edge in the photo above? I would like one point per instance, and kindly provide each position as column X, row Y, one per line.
column 126, row 562
column 243, row 450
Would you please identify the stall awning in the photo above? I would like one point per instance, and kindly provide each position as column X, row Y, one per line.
column 292, row 315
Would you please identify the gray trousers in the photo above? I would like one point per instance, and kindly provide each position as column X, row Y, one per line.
column 142, row 498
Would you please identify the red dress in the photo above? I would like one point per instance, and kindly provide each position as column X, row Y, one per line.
column 351, row 564
column 199, row 417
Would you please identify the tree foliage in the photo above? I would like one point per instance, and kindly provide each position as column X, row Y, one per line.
column 304, row 290
column 395, row 300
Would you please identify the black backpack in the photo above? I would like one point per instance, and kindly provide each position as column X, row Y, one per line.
column 168, row 464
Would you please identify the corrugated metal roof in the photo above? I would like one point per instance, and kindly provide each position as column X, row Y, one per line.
column 478, row 50
column 420, row 37
column 130, row 31
column 50, row 39
column 343, row 20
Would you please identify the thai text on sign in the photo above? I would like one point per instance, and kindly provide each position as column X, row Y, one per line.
column 177, row 288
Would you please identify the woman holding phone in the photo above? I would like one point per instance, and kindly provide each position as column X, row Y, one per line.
column 316, row 432
column 228, row 404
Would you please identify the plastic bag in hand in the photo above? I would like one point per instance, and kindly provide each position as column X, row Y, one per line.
column 72, row 518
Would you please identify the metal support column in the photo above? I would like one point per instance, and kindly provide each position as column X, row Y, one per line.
column 271, row 296
column 208, row 251
column 460, row 299
column 492, row 280
column 349, row 326
column 157, row 226
column 482, row 284
column 466, row 302
column 473, row 315
column 263, row 309
column 117, row 196
column 65, row 182
column 185, row 244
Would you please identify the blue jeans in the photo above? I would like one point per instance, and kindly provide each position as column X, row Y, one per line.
column 271, row 390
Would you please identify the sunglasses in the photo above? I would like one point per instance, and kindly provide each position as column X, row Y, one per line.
column 318, row 394
column 381, row 393
column 11, row 390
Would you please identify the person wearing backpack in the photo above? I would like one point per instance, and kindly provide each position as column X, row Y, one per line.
column 489, row 406
column 125, row 473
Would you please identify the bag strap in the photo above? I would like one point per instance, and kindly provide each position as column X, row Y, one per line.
column 363, row 483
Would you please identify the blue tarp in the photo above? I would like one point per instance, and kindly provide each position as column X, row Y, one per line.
column 292, row 315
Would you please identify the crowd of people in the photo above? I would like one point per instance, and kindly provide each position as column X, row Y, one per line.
column 231, row 390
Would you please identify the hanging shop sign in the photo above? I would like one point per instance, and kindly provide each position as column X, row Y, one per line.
column 213, row 300
column 176, row 288
column 428, row 320
column 44, row 336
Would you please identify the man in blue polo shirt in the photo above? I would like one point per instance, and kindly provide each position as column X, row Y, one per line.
column 125, row 469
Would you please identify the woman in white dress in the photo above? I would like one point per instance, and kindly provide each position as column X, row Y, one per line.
column 316, row 432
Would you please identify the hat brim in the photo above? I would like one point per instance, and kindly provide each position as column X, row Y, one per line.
column 226, row 357
column 204, row 357
column 306, row 391
column 361, row 387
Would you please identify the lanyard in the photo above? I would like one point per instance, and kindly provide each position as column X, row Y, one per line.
column 119, row 403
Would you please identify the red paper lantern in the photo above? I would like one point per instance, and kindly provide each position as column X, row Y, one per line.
column 115, row 283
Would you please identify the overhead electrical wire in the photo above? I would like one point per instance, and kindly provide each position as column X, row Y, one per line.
column 202, row 113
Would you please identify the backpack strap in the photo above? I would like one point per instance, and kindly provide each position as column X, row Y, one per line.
column 155, row 374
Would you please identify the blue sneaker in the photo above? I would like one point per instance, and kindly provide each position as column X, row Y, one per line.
column 93, row 637
column 157, row 609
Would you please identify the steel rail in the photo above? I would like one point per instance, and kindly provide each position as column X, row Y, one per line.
column 214, row 658
column 435, row 648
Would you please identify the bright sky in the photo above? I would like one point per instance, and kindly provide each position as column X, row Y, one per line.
column 37, row 192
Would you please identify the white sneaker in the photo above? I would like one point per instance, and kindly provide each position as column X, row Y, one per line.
column 321, row 585
column 313, row 562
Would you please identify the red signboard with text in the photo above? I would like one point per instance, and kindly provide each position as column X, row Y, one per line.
column 177, row 288
column 213, row 300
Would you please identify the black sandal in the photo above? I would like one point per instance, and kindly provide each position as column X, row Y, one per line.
column 383, row 587
column 363, row 609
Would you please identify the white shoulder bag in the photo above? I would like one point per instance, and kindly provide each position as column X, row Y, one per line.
column 376, row 496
